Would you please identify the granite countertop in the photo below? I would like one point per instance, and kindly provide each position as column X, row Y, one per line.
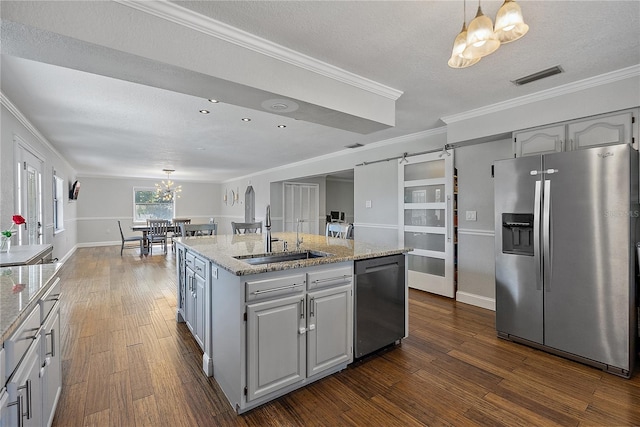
column 20, row 290
column 223, row 248
column 24, row 254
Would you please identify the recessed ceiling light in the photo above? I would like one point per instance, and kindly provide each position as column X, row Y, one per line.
column 213, row 101
column 204, row 111
column 282, row 126
column 246, row 119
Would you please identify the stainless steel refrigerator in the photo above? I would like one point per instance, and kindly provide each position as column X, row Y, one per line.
column 565, row 228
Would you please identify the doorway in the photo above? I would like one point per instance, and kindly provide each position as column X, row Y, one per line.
column 29, row 193
column 300, row 201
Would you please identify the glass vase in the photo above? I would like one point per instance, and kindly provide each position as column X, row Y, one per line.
column 5, row 244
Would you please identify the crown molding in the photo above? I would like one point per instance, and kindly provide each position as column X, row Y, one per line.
column 182, row 16
column 15, row 112
column 372, row 146
column 566, row 89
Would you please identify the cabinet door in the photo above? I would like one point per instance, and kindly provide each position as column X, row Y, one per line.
column 599, row 131
column 182, row 279
column 276, row 336
column 198, row 304
column 539, row 141
column 330, row 328
column 190, row 299
column 24, row 386
column 51, row 372
column 5, row 408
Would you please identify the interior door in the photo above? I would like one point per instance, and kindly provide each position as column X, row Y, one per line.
column 301, row 201
column 30, row 196
column 426, row 221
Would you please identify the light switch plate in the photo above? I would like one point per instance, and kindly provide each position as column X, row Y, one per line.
column 367, row 204
column 470, row 215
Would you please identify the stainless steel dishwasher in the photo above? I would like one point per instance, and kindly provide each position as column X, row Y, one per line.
column 380, row 301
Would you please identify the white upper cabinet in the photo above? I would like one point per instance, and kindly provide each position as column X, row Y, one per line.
column 606, row 129
column 539, row 141
column 603, row 130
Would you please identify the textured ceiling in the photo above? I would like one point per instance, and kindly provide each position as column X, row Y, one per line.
column 114, row 106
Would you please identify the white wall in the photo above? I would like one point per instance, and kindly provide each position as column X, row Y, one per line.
column 15, row 125
column 476, row 239
column 104, row 201
column 339, row 197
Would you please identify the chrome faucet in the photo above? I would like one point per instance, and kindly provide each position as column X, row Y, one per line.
column 298, row 239
column 267, row 224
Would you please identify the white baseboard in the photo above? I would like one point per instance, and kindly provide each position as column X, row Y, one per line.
column 96, row 244
column 477, row 300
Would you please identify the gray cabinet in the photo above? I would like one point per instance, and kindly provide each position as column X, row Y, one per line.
column 51, row 372
column 196, row 276
column 294, row 334
column 182, row 279
column 329, row 336
column 275, row 345
column 606, row 129
column 24, row 390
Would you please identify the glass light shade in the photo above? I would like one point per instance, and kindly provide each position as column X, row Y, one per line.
column 481, row 40
column 460, row 43
column 510, row 25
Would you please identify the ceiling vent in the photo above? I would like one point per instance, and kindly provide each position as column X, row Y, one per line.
column 356, row 145
column 538, row 76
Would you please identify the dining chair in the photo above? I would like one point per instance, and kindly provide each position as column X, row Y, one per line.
column 129, row 239
column 210, row 229
column 246, row 227
column 337, row 229
column 177, row 227
column 157, row 233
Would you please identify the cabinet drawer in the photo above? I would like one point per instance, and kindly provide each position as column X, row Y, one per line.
column 190, row 259
column 276, row 287
column 18, row 344
column 327, row 278
column 49, row 299
column 200, row 268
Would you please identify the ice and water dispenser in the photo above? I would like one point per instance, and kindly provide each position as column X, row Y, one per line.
column 517, row 234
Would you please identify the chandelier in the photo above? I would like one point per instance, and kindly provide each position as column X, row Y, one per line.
column 166, row 191
column 481, row 38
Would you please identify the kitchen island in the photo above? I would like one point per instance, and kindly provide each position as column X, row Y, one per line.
column 267, row 328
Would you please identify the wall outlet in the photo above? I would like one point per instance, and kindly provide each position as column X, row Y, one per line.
column 214, row 272
column 470, row 215
column 367, row 204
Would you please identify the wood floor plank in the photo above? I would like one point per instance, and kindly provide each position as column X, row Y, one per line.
column 127, row 362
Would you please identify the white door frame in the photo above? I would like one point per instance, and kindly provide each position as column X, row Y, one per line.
column 29, row 161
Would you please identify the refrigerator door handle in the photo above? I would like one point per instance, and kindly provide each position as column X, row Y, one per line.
column 536, row 237
column 546, row 235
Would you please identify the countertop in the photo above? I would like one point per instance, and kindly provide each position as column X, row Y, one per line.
column 20, row 290
column 24, row 254
column 223, row 248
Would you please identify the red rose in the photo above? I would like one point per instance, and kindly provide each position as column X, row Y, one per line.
column 18, row 288
column 18, row 220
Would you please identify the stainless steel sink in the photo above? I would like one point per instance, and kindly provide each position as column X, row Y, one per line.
column 280, row 257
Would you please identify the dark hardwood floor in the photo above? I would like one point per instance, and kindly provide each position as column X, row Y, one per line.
column 126, row 362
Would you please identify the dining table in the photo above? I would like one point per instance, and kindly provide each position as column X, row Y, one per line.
column 145, row 228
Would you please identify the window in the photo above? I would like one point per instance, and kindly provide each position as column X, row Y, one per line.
column 147, row 205
column 58, row 203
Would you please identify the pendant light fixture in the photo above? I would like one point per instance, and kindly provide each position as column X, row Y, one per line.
column 166, row 191
column 510, row 25
column 460, row 44
column 481, row 40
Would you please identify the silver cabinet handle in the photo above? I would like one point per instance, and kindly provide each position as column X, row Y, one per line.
column 18, row 403
column 28, row 387
column 53, row 343
column 312, row 309
column 281, row 288
column 302, row 309
column 343, row 277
